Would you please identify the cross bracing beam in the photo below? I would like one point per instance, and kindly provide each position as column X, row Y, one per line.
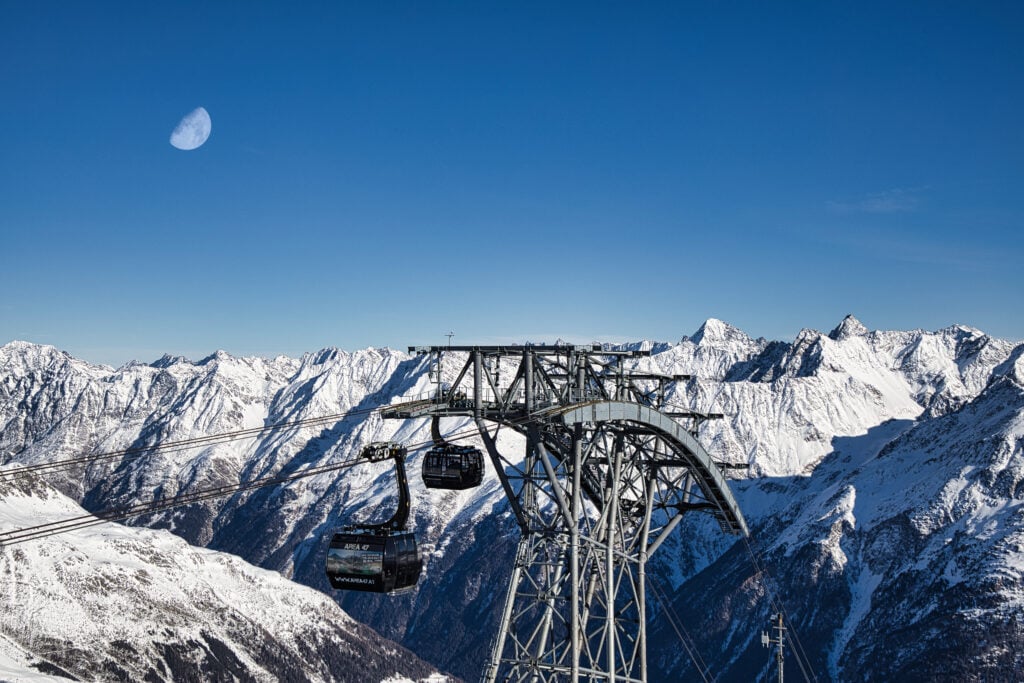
column 606, row 477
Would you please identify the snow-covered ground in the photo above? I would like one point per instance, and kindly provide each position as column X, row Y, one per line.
column 116, row 602
column 861, row 445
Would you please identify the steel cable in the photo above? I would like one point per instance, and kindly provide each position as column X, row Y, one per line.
column 688, row 643
column 171, row 446
column 777, row 605
column 121, row 513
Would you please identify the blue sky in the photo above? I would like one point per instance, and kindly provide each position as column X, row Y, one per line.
column 381, row 173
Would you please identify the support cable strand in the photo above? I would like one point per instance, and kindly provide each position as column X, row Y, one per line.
column 183, row 444
column 122, row 513
column 776, row 603
column 210, row 439
column 688, row 643
column 116, row 514
column 795, row 638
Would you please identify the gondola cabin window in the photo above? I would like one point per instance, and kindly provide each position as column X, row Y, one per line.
column 355, row 559
column 448, row 466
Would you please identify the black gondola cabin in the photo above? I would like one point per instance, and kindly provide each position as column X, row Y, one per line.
column 448, row 466
column 373, row 562
column 380, row 558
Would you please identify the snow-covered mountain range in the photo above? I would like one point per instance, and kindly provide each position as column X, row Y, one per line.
column 884, row 492
column 122, row 603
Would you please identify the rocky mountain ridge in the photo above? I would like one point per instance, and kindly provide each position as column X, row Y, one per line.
column 810, row 418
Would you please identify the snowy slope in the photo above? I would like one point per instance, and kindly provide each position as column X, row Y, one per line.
column 118, row 603
column 808, row 417
column 901, row 558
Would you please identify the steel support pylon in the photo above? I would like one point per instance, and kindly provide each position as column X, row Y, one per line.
column 605, row 478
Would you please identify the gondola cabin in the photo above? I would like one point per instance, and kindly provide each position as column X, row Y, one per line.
column 374, row 562
column 383, row 557
column 448, row 466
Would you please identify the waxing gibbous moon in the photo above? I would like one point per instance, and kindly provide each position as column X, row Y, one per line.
column 193, row 130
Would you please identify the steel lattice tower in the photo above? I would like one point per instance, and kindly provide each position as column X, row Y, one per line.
column 606, row 477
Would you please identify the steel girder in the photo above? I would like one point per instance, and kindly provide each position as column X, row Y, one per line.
column 606, row 478
column 602, row 485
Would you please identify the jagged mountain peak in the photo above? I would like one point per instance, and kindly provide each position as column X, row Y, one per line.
column 217, row 356
column 804, row 415
column 36, row 352
column 715, row 331
column 1012, row 367
column 961, row 330
column 167, row 360
column 324, row 355
column 646, row 345
column 21, row 358
column 849, row 327
column 21, row 346
column 807, row 336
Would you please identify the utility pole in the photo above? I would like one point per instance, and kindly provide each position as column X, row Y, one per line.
column 776, row 639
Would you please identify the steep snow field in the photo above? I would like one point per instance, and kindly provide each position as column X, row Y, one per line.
column 115, row 602
column 882, row 488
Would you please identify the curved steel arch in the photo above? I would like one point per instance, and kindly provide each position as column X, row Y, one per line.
column 695, row 457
